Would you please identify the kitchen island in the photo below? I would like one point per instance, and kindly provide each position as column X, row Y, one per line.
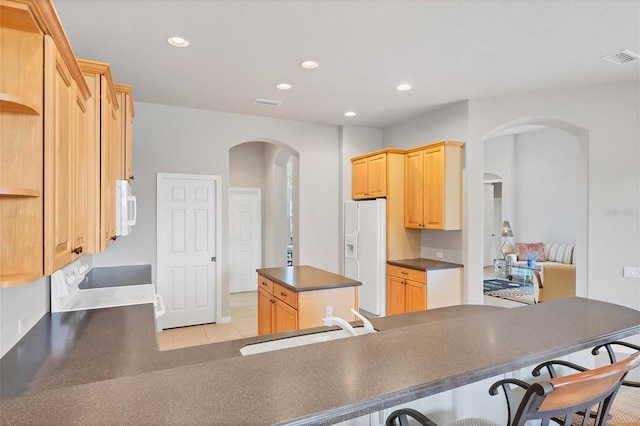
column 100, row 366
column 297, row 297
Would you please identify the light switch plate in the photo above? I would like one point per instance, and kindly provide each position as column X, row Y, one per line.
column 439, row 255
column 631, row 272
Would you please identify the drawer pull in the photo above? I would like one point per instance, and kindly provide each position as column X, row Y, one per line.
column 283, row 294
column 263, row 283
column 404, row 273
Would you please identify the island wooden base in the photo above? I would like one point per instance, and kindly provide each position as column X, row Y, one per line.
column 282, row 309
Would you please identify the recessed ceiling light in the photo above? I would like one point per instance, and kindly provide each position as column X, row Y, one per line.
column 403, row 87
column 309, row 64
column 283, row 86
column 350, row 114
column 178, row 41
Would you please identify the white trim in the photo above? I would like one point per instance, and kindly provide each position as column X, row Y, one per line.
column 223, row 320
column 218, row 243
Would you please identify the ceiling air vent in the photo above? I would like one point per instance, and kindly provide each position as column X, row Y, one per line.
column 267, row 102
column 621, row 57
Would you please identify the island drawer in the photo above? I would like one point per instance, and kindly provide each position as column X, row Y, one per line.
column 407, row 273
column 265, row 284
column 290, row 297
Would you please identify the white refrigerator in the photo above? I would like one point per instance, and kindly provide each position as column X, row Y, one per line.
column 365, row 251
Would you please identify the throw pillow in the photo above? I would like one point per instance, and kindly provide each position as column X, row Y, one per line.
column 523, row 248
column 562, row 253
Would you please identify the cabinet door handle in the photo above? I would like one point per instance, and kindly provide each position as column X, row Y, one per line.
column 131, row 177
column 77, row 250
column 272, row 301
column 114, row 238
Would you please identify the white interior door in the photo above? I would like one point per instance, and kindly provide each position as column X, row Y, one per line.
column 188, row 241
column 489, row 232
column 245, row 242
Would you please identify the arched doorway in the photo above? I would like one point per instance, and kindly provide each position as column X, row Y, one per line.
column 272, row 168
column 581, row 137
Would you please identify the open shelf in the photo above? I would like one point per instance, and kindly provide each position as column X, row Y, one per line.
column 12, row 280
column 19, row 192
column 10, row 103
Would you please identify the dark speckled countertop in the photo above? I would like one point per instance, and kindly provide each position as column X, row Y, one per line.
column 306, row 278
column 424, row 264
column 102, row 367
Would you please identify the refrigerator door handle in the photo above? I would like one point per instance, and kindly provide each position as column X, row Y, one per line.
column 355, row 244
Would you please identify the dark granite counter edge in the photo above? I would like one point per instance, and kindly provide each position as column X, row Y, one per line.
column 438, row 265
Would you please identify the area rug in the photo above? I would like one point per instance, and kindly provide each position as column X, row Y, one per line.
column 496, row 284
column 508, row 290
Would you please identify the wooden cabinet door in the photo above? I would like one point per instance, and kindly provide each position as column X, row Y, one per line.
column 81, row 177
column 359, row 179
column 413, row 190
column 395, row 295
column 59, row 110
column 416, row 296
column 266, row 305
column 128, row 142
column 286, row 317
column 377, row 176
column 109, row 169
column 120, row 136
column 434, row 188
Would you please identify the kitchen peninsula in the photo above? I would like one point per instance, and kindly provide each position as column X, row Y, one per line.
column 297, row 297
column 101, row 366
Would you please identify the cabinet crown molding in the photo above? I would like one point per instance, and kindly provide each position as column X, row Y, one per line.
column 96, row 67
column 125, row 88
column 435, row 145
column 40, row 16
column 380, row 151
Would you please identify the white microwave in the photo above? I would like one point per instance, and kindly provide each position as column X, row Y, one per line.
column 126, row 208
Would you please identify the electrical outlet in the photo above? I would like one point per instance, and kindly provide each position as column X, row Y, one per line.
column 439, row 255
column 631, row 272
column 328, row 311
column 20, row 326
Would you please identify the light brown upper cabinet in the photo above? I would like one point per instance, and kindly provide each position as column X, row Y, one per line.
column 433, row 186
column 369, row 176
column 59, row 151
column 126, row 113
column 40, row 82
column 105, row 163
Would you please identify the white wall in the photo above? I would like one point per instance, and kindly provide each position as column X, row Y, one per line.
column 28, row 303
column 447, row 123
column 610, row 114
column 184, row 140
column 545, row 180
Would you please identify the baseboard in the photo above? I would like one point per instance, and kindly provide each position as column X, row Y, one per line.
column 224, row 320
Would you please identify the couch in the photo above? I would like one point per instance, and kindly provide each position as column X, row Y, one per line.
column 554, row 274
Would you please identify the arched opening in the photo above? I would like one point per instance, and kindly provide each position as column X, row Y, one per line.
column 543, row 165
column 271, row 167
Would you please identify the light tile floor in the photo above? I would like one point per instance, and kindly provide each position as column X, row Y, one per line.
column 244, row 323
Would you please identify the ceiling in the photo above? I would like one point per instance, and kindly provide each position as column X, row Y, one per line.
column 447, row 50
